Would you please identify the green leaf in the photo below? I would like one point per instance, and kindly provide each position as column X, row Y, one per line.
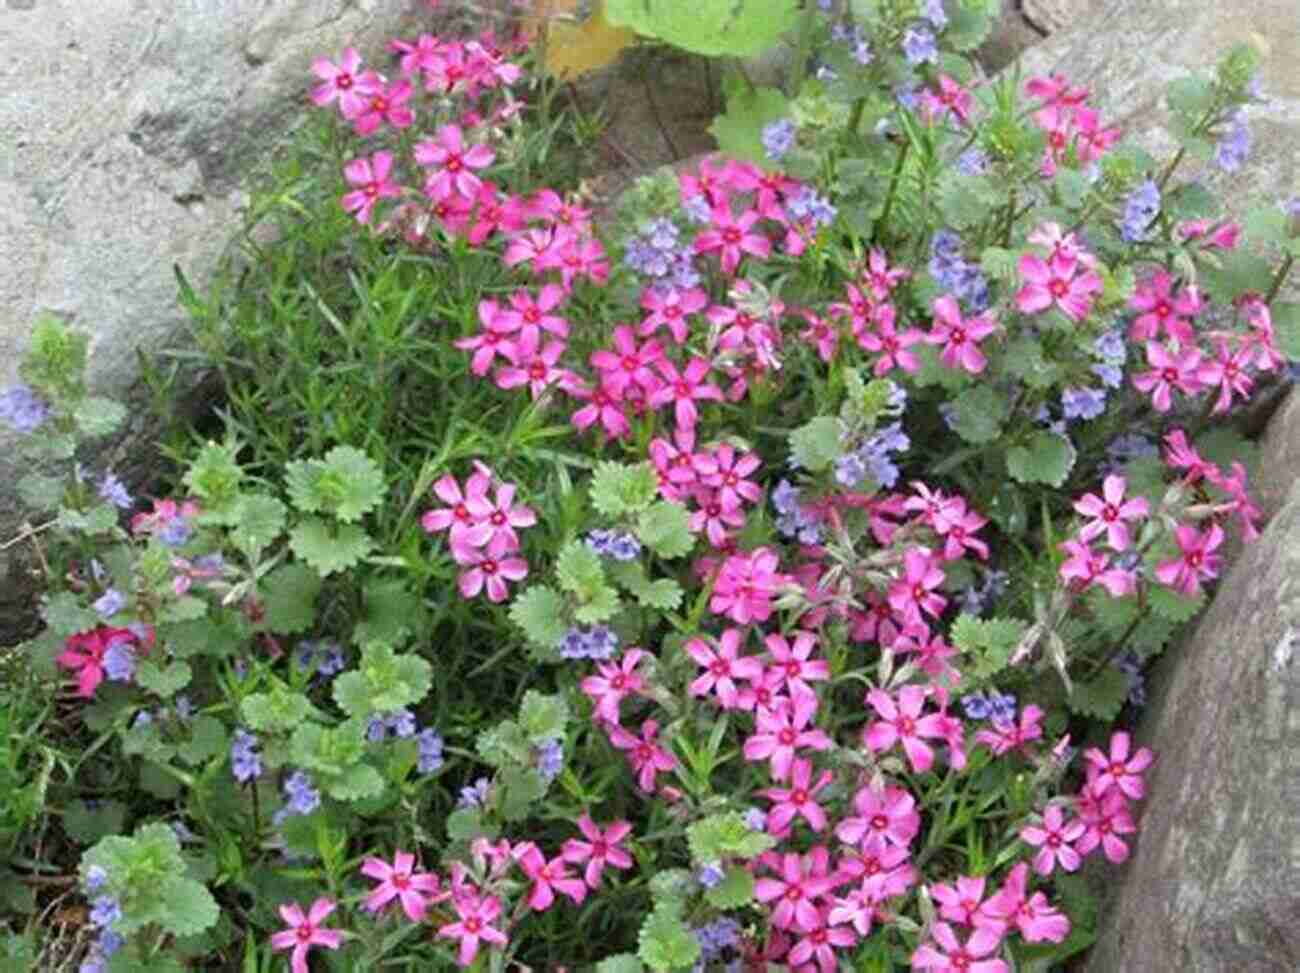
column 1240, row 273
column 665, row 941
column 999, row 263
column 817, row 444
column 358, row 782
column 520, row 789
column 540, row 613
column 186, row 608
column 504, row 744
column 214, row 478
column 967, row 200
column 662, row 594
column 260, row 521
column 276, row 710
column 329, row 550
column 1024, row 359
column 65, row 615
column 464, row 824
column 394, row 613
column 1286, row 322
column 1101, row 697
column 347, row 484
column 735, row 890
column 85, row 825
column 40, row 492
column 726, row 835
column 988, row 643
column 1073, row 187
column 1047, row 458
column 739, row 131
column 602, row 606
column 740, row 28
column 542, row 716
column 383, row 682
column 665, row 528
column 190, row 907
column 289, row 599
column 617, row 489
column 1189, row 96
column 579, row 571
column 96, row 416
column 1172, row 605
column 207, row 740
column 978, row 414
column 620, row 963
column 163, row 682
column 968, row 27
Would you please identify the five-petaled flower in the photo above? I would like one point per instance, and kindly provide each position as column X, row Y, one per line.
column 414, row 890
column 305, row 931
column 1109, row 513
column 959, row 336
column 600, row 849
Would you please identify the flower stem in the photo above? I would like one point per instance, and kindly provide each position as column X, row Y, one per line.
column 893, row 191
column 1279, row 279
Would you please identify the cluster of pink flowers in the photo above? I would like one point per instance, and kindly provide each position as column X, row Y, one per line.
column 1066, row 279
column 86, row 653
column 482, row 521
column 1072, row 127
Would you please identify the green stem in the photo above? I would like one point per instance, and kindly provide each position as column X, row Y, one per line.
column 1169, row 169
column 1117, row 648
column 1279, row 279
column 855, row 117
column 806, row 26
column 893, row 191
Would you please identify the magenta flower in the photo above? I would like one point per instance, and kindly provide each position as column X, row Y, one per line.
column 882, row 819
column 1086, row 567
column 818, row 944
column 385, row 105
column 886, row 871
column 891, row 344
column 645, row 754
column 745, row 586
column 729, row 476
column 466, row 531
column 600, row 849
column 1105, row 818
column 615, row 682
column 1059, row 281
column 548, row 877
column 722, row 666
column 951, row 97
column 1033, row 916
column 582, row 257
column 1109, row 512
column 83, row 654
column 821, row 334
column 670, row 308
column 684, row 389
column 495, row 521
column 963, row 903
column 414, row 890
column 305, row 931
column 797, row 800
column 945, row 952
column 1117, row 769
column 1197, row 561
column 1054, row 841
column 344, row 83
column 959, row 337
column 1169, row 370
column 733, row 237
column 531, row 365
column 915, row 591
column 456, row 163
column 792, row 663
column 484, row 570
column 902, row 722
column 1227, row 370
column 370, row 177
column 1007, row 736
column 880, row 277
column 1182, row 456
column 781, row 731
column 678, row 463
column 476, row 913
column 957, row 525
column 628, row 363
column 794, row 890
column 1162, row 310
column 605, row 404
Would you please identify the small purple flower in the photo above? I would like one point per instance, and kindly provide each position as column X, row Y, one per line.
column 932, row 10
column 1003, row 706
column 183, row 707
column 710, row 875
column 245, row 761
column 1110, row 347
column 475, row 794
column 176, row 532
column 806, row 204
column 376, row 729
column 550, row 759
column 919, row 46
column 697, row 208
column 850, row 470
column 976, row 706
column 23, row 409
column 614, row 544
column 1292, row 207
column 778, row 138
column 95, row 877
column 716, row 936
column 430, row 744
column 755, row 819
column 1234, row 147
column 302, row 797
column 1112, row 376
column 112, row 490
column 109, row 603
column 105, row 911
column 1083, row 403
column 119, row 660
column 973, row 162
column 402, row 724
column 109, row 942
column 1140, row 210
column 1130, row 446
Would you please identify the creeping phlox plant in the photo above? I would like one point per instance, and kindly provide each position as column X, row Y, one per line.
column 885, row 450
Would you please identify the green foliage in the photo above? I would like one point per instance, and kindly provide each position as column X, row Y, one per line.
column 539, row 612
column 1046, row 458
column 622, row 963
column 1101, row 697
column 383, row 682
column 1286, row 323
column 1239, row 272
column 740, row 28
column 986, row 643
column 665, row 528
column 289, row 599
column 817, row 444
column 739, row 131
column 96, row 416
column 346, row 484
column 1172, row 605
column 260, row 521
column 978, row 414
column 666, row 942
column 618, row 489
column 327, row 548
column 519, row 789
column 65, row 615
column 87, row 824
column 55, row 363
column 215, row 478
column 723, row 836
column 735, row 890
column 662, row 594
column 276, row 710
column 163, row 681
column 543, row 717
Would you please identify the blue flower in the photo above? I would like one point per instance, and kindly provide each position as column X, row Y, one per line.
column 550, row 759
column 475, row 794
column 1083, row 403
column 932, row 10
column 245, row 761
column 109, row 603
column 95, row 877
column 22, row 409
column 105, row 911
column 977, row 706
column 1140, row 210
column 430, row 744
column 710, row 875
column 778, row 138
column 112, row 490
column 302, row 797
column 919, row 46
column 1234, row 147
column 973, row 162
column 119, row 660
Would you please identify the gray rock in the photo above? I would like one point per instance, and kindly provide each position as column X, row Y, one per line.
column 1214, row 882
column 1053, row 16
column 125, row 128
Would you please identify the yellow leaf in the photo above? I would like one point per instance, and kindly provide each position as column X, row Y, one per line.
column 574, row 48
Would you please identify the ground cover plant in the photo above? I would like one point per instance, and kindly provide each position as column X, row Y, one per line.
column 751, row 577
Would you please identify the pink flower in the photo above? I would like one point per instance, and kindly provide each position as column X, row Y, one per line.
column 456, row 163
column 819, row 944
column 83, row 654
column 1162, row 310
column 782, row 731
column 1197, row 561
column 951, row 97
column 915, row 591
column 728, row 476
column 1247, row 511
column 466, row 531
column 891, row 344
column 1109, row 512
column 305, row 931
column 680, row 466
column 496, row 521
column 733, row 236
column 1054, row 841
column 745, row 586
column 1227, row 369
column 548, row 877
column 792, row 663
column 600, row 849
column 477, row 913
column 1032, row 915
column 493, row 340
column 885, row 872
column 883, row 819
column 1105, row 818
column 821, row 335
column 722, row 666
column 1007, row 736
column 957, row 526
column 670, row 308
column 628, row 364
column 1057, row 95
column 1220, row 236
column 963, row 903
column 1169, row 371
column 794, row 890
column 582, row 257
column 370, row 177
column 531, row 314
column 490, row 572
column 947, row 954
column 1086, row 567
column 902, row 722
column 385, row 105
column 343, row 82
column 1181, row 456
column 399, row 881
column 615, row 682
column 959, row 337
column 531, row 365
column 684, row 389
column 1117, row 769
column 882, row 278
column 1056, row 282
column 797, row 800
column 645, row 754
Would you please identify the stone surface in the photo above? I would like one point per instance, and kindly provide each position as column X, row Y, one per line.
column 1214, row 882
column 125, row 127
column 1053, row 16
